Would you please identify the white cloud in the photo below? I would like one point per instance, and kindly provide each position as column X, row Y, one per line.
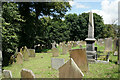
column 109, row 11
column 77, row 4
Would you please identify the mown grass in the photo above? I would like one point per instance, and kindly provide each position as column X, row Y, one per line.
column 41, row 67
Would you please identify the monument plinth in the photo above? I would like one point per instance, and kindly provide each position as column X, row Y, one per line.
column 90, row 50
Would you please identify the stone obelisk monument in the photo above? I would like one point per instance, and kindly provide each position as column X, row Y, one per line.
column 90, row 50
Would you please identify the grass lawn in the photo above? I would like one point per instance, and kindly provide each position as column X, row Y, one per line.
column 41, row 67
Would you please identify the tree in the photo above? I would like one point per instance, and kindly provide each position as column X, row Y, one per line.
column 10, row 27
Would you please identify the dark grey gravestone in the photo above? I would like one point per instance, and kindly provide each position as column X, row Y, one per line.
column 56, row 63
column 90, row 50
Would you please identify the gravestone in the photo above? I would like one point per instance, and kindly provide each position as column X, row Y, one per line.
column 80, row 58
column 108, row 44
column 26, row 54
column 19, row 58
column 100, row 42
column 55, row 52
column 32, row 52
column 53, row 45
column 115, row 43
column 70, row 70
column 7, row 74
column 115, row 53
column 64, row 49
column 119, row 51
column 56, row 63
column 90, row 50
column 75, row 44
column 25, row 73
column 69, row 46
column 80, row 46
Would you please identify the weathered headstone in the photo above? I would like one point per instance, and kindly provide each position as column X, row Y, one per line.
column 108, row 44
column 32, row 52
column 100, row 42
column 64, row 49
column 80, row 58
column 90, row 50
column 70, row 70
column 119, row 51
column 115, row 43
column 53, row 45
column 19, row 58
column 56, row 63
column 80, row 46
column 25, row 73
column 26, row 53
column 115, row 53
column 7, row 74
column 69, row 46
column 55, row 52
column 75, row 44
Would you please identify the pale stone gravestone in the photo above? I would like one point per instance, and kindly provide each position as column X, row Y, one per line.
column 70, row 70
column 26, row 53
column 69, row 46
column 53, row 44
column 100, row 42
column 56, row 63
column 19, row 58
column 108, row 44
column 7, row 74
column 80, row 58
column 64, row 49
column 25, row 73
column 32, row 52
column 55, row 52
column 115, row 53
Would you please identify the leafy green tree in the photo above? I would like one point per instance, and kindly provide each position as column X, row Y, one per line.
column 10, row 27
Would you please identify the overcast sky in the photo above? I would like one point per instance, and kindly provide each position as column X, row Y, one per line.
column 108, row 9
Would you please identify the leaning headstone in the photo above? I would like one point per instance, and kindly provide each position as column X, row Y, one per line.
column 19, row 58
column 100, row 42
column 108, row 44
column 55, row 52
column 7, row 74
column 27, row 74
column 32, row 52
column 80, row 58
column 70, row 70
column 56, row 63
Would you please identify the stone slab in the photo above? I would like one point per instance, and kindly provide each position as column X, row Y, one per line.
column 19, row 58
column 80, row 58
column 70, row 70
column 7, row 74
column 56, row 63
column 25, row 73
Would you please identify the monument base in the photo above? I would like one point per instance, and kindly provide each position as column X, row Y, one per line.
column 91, row 56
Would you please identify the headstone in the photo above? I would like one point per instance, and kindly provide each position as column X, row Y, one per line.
column 90, row 50
column 100, row 42
column 80, row 58
column 75, row 44
column 7, row 74
column 115, row 43
column 115, row 53
column 26, row 53
column 56, row 63
column 64, row 49
column 119, row 51
column 108, row 44
column 32, row 52
column 69, row 46
column 70, row 70
column 80, row 46
column 27, row 74
column 53, row 44
column 55, row 52
column 19, row 58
